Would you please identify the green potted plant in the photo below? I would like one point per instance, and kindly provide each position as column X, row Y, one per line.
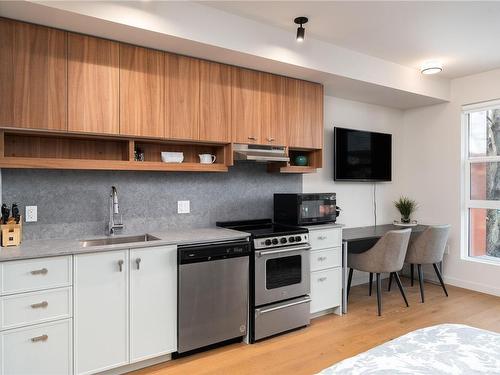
column 406, row 207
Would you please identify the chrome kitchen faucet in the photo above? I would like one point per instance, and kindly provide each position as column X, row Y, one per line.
column 114, row 209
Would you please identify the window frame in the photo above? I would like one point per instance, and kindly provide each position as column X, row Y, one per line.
column 466, row 201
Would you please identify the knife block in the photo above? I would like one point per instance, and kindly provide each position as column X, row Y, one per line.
column 12, row 233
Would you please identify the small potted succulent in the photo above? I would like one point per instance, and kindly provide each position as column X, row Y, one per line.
column 406, row 207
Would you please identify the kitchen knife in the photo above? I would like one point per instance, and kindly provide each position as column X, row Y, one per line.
column 15, row 213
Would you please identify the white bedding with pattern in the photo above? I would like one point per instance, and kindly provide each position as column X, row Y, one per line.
column 442, row 349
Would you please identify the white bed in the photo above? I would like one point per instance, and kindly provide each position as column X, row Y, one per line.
column 442, row 349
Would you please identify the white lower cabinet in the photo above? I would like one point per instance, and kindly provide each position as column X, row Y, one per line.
column 325, row 292
column 100, row 311
column 109, row 285
column 153, row 302
column 42, row 349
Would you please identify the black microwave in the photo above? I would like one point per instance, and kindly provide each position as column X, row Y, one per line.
column 304, row 209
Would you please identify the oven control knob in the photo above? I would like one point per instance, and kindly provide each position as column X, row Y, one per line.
column 298, row 238
column 268, row 242
column 283, row 240
column 275, row 241
column 291, row 239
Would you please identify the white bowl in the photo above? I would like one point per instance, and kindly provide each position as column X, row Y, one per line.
column 172, row 157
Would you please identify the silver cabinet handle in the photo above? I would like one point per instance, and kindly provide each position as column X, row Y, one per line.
column 252, row 138
column 138, row 262
column 40, row 305
column 271, row 139
column 321, row 259
column 322, row 279
column 120, row 264
column 322, row 237
column 40, row 338
column 43, row 271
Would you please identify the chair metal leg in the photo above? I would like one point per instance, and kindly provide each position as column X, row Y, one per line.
column 421, row 281
column 371, row 282
column 412, row 271
column 401, row 289
column 390, row 282
column 349, row 279
column 436, row 268
column 379, row 295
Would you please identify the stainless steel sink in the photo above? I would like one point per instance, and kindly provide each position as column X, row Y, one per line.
column 118, row 240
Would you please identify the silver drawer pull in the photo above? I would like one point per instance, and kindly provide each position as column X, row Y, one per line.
column 270, row 139
column 43, row 271
column 138, row 262
column 40, row 338
column 322, row 279
column 120, row 265
column 321, row 259
column 322, row 237
column 40, row 305
column 263, row 311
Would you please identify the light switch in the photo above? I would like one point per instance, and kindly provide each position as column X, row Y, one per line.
column 183, row 207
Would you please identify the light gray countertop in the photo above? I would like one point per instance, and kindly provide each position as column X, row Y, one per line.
column 57, row 247
column 323, row 226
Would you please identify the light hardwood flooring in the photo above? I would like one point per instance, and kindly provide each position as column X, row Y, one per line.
column 332, row 338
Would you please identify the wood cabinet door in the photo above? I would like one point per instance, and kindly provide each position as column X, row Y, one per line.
column 246, row 106
column 93, row 85
column 32, row 76
column 215, row 102
column 101, row 311
column 142, row 91
column 273, row 125
column 153, row 302
column 304, row 113
column 182, row 81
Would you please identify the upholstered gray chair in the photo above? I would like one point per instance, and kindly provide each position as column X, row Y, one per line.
column 387, row 255
column 428, row 248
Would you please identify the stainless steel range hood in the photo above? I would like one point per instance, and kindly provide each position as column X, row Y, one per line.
column 260, row 153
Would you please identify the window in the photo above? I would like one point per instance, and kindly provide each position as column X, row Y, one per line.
column 481, row 222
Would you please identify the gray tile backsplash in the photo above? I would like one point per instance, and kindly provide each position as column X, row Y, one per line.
column 75, row 203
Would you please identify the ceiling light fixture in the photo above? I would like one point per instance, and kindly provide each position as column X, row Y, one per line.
column 431, row 67
column 300, row 30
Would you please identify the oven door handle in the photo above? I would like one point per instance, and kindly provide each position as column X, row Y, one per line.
column 263, row 311
column 285, row 250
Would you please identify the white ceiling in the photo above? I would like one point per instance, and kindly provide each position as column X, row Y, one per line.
column 463, row 35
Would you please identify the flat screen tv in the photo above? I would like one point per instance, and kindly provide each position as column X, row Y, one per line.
column 362, row 155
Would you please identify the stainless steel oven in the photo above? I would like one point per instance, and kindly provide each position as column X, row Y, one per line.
column 281, row 273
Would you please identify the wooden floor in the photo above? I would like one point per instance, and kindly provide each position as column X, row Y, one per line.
column 332, row 338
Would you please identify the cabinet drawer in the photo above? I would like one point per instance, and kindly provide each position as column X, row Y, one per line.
column 327, row 258
column 324, row 238
column 326, row 289
column 43, row 349
column 36, row 307
column 35, row 274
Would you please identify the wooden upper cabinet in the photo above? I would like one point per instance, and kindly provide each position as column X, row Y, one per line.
column 246, row 106
column 182, row 82
column 215, row 102
column 142, row 92
column 273, row 124
column 93, row 85
column 32, row 76
column 304, row 114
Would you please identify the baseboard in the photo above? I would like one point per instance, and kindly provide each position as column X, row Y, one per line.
column 138, row 365
column 478, row 287
column 364, row 278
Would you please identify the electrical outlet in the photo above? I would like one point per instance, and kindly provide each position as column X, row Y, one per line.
column 183, row 207
column 31, row 214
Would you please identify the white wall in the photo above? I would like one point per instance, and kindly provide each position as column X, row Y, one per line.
column 432, row 173
column 356, row 199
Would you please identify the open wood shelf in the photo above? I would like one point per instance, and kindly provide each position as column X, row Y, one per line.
column 56, row 151
column 297, row 169
column 314, row 161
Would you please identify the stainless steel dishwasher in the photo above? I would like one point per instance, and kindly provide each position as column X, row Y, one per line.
column 213, row 293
